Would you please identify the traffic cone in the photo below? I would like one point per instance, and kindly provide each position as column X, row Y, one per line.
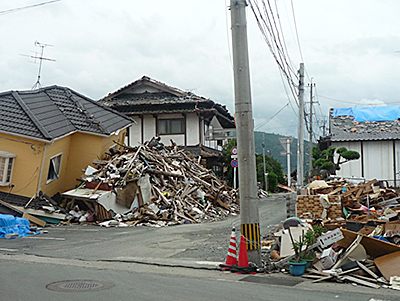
column 243, row 259
column 231, row 258
column 243, row 266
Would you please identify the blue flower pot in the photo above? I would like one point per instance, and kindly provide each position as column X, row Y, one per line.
column 309, row 263
column 297, row 268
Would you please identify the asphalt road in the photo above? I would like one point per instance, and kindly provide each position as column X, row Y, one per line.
column 143, row 263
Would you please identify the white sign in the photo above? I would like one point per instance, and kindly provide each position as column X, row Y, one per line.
column 283, row 141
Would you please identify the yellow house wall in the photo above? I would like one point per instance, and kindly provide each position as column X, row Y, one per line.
column 78, row 151
column 83, row 150
column 61, row 146
column 26, row 170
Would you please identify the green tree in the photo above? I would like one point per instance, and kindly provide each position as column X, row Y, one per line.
column 272, row 167
column 274, row 170
column 325, row 160
column 228, row 169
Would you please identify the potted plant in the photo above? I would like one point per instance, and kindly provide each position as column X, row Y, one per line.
column 309, row 239
column 308, row 254
column 297, row 265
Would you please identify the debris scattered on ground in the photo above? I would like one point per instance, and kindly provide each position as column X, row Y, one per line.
column 151, row 184
column 348, row 232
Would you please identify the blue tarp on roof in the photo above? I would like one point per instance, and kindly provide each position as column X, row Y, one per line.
column 10, row 224
column 362, row 114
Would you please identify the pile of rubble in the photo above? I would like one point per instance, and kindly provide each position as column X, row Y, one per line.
column 151, row 184
column 339, row 255
column 361, row 239
column 372, row 202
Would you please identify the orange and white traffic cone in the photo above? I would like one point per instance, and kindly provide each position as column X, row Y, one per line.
column 243, row 258
column 231, row 258
column 243, row 266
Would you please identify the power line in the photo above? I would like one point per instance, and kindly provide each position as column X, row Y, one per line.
column 267, row 24
column 297, row 33
column 13, row 10
column 273, row 116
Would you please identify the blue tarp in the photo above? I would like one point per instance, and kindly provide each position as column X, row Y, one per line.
column 10, row 224
column 362, row 114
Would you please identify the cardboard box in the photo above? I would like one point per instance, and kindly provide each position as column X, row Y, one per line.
column 328, row 258
column 330, row 238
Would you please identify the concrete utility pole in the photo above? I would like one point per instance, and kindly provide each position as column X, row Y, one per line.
column 286, row 142
column 249, row 215
column 265, row 175
column 300, row 141
column 311, row 130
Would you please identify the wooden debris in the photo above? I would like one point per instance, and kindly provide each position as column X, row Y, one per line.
column 182, row 190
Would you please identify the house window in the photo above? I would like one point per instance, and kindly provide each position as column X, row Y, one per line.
column 6, row 167
column 54, row 168
column 170, row 126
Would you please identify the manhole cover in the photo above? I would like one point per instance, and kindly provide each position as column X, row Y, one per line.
column 78, row 286
column 273, row 280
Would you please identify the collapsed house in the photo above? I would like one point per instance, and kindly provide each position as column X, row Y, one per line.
column 150, row 184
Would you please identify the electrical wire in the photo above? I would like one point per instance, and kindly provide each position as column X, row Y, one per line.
column 267, row 24
column 13, row 10
column 297, row 33
column 273, row 116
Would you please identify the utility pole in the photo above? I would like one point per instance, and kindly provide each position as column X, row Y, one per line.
column 311, row 130
column 265, row 175
column 300, row 141
column 249, row 215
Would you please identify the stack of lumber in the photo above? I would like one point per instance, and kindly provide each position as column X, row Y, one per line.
column 182, row 190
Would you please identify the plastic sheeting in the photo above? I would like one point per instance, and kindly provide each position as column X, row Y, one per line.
column 362, row 114
column 10, row 224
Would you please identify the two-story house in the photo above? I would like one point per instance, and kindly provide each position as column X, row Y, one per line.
column 194, row 123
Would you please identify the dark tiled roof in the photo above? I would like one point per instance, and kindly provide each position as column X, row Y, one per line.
column 52, row 112
column 166, row 100
column 344, row 128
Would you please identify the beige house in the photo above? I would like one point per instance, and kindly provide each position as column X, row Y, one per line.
column 48, row 136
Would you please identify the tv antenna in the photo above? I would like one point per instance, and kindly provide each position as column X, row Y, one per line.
column 41, row 58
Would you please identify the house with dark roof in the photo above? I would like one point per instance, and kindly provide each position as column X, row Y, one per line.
column 48, row 136
column 194, row 123
column 374, row 132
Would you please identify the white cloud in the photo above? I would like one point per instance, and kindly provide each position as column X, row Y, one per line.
column 349, row 48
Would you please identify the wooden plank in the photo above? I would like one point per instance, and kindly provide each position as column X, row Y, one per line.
column 359, row 281
column 374, row 247
column 34, row 219
column 389, row 265
column 367, row 270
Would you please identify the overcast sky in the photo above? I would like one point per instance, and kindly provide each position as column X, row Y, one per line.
column 350, row 50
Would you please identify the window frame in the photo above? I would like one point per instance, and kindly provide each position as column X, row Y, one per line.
column 169, row 127
column 8, row 170
column 52, row 165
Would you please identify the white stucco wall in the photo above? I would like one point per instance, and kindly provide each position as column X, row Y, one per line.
column 149, row 127
column 192, row 129
column 178, row 139
column 377, row 160
column 352, row 168
column 135, row 132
